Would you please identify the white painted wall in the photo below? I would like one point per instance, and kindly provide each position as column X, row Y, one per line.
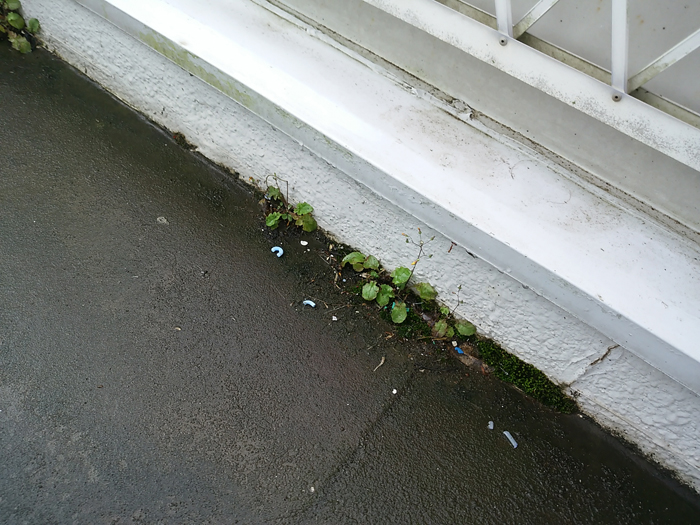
column 618, row 389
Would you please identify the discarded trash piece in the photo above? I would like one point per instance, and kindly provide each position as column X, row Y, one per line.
column 490, row 425
column 380, row 364
column 309, row 303
column 454, row 343
column 162, row 220
column 510, row 438
column 394, row 391
column 304, row 243
column 312, row 489
column 344, row 280
column 177, row 328
column 459, row 350
column 334, row 318
column 279, row 251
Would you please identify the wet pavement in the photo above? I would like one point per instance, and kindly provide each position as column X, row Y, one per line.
column 165, row 371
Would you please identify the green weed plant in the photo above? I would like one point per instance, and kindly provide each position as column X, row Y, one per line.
column 13, row 26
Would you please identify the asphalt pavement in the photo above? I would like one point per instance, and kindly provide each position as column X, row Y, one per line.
column 157, row 364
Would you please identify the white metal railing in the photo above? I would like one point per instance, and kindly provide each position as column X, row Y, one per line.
column 620, row 80
column 670, row 133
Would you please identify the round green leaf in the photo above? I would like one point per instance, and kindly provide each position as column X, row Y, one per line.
column 426, row 291
column 385, row 294
column 308, row 223
column 444, row 310
column 303, row 208
column 25, row 47
column 13, row 5
column 273, row 220
column 440, row 328
column 398, row 312
column 370, row 291
column 371, row 263
column 15, row 20
column 33, row 25
column 20, row 44
column 353, row 258
column 272, row 191
column 401, row 276
column 465, row 328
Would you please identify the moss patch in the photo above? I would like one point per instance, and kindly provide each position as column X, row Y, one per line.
column 526, row 377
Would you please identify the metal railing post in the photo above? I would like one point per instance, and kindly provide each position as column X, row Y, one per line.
column 620, row 46
column 504, row 18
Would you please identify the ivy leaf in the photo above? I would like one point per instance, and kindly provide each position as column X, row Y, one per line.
column 440, row 328
column 303, row 208
column 373, row 274
column 426, row 291
column 385, row 294
column 450, row 332
column 33, row 25
column 308, row 223
column 401, row 276
column 273, row 191
column 398, row 312
column 444, row 310
column 371, row 263
column 13, row 5
column 15, row 20
column 273, row 220
column 370, row 291
column 465, row 328
column 355, row 259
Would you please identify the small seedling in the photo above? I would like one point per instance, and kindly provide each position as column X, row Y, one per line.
column 300, row 215
column 374, row 290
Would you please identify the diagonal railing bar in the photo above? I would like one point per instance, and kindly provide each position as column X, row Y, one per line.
column 532, row 16
column 673, row 55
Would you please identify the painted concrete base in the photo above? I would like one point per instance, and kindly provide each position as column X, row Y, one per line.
column 618, row 389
